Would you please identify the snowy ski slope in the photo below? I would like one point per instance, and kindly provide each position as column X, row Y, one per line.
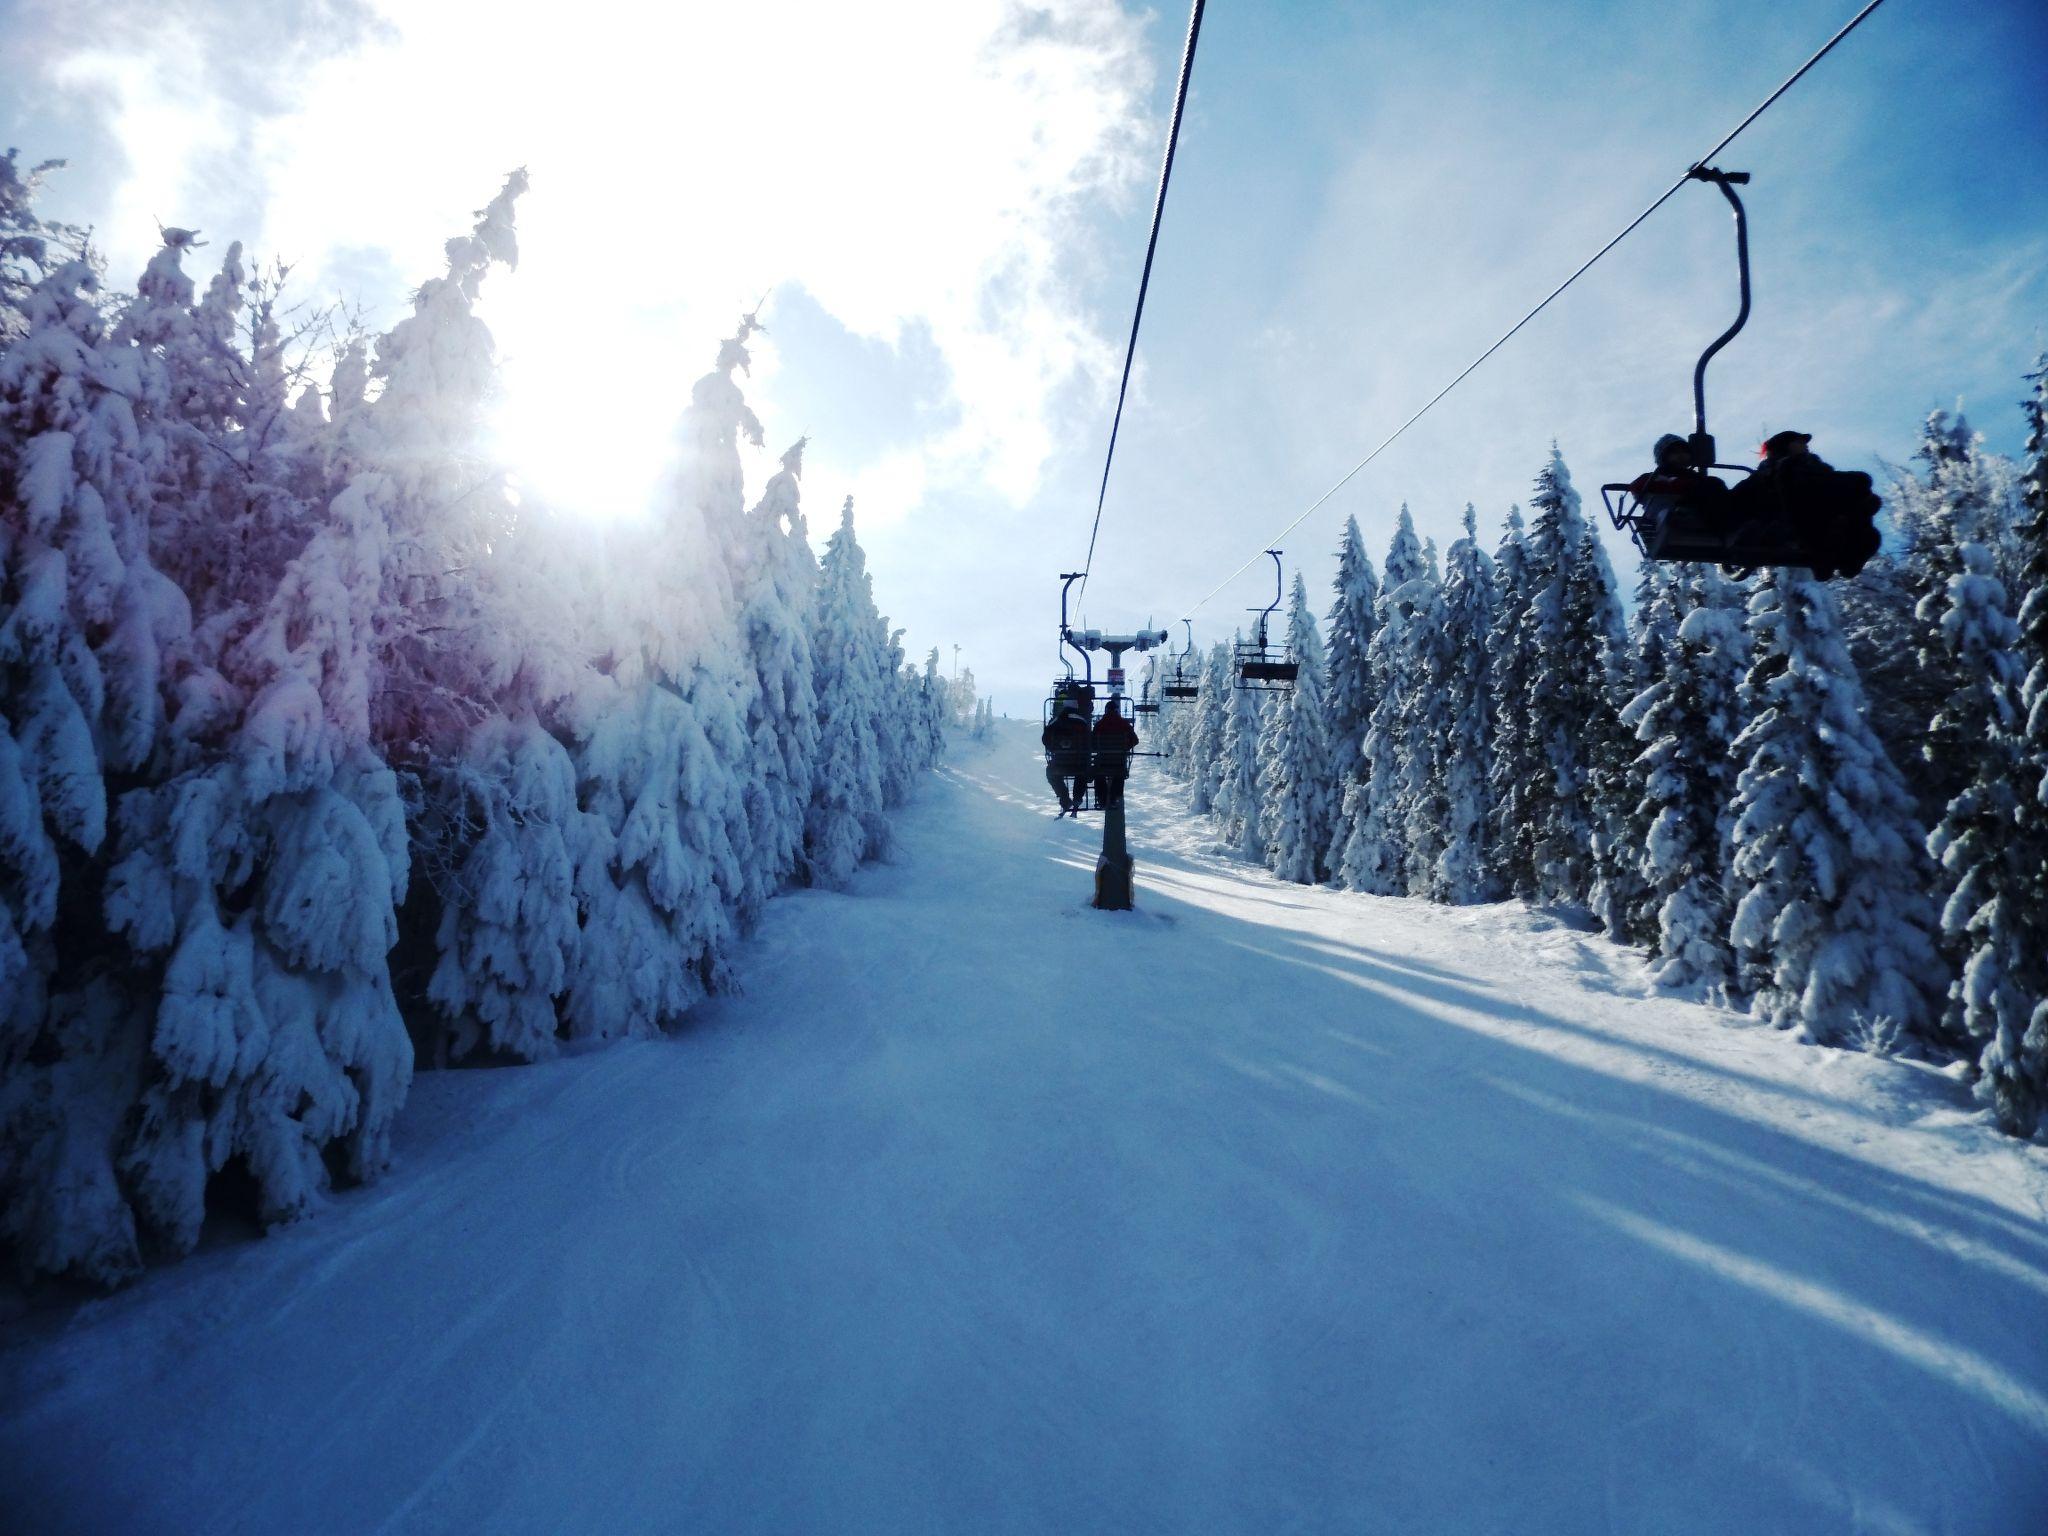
column 1259, row 1209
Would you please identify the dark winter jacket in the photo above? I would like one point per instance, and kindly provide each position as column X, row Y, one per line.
column 1114, row 734
column 1066, row 742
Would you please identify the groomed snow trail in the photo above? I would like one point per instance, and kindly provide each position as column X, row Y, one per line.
column 1259, row 1209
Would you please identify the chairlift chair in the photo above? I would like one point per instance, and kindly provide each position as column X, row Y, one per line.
column 1263, row 667
column 1821, row 522
column 1186, row 681
column 1078, row 693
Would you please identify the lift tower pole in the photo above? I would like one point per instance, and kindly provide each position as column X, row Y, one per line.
column 1114, row 866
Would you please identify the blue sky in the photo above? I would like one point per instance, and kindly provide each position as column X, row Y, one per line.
column 948, row 202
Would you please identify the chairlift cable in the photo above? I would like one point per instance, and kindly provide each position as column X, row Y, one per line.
column 1471, row 367
column 1180, row 100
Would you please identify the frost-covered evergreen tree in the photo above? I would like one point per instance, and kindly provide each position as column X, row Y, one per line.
column 1462, row 683
column 733, row 815
column 1353, row 618
column 1206, row 723
column 1297, row 779
column 510, row 937
column 1373, row 853
column 845, row 820
column 1620, row 897
column 900, row 728
column 1898, row 654
column 466, row 673
column 777, row 593
column 86, row 622
column 1952, row 581
column 1999, row 905
column 1969, row 638
column 1685, row 718
column 1424, row 728
column 932, row 687
column 1832, row 929
column 31, row 247
column 266, row 872
column 1511, row 844
column 1237, row 803
column 1569, row 637
column 1623, row 897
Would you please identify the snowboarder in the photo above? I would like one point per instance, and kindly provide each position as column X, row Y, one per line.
column 1066, row 756
column 1114, row 741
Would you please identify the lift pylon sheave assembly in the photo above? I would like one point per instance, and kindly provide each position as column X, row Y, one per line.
column 1812, row 516
column 1261, row 666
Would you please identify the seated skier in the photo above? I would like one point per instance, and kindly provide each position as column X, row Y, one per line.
column 1676, row 490
column 1114, row 741
column 1831, row 512
column 1066, row 756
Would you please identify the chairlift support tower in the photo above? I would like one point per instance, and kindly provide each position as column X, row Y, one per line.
column 1114, row 866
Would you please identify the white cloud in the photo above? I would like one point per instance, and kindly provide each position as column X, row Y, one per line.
column 929, row 165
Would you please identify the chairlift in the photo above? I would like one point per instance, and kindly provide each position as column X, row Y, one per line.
column 1793, row 511
column 1085, row 767
column 1261, row 666
column 1186, row 682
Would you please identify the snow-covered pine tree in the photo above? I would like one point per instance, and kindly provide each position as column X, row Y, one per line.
column 469, row 662
column 937, row 709
column 2004, row 988
column 1684, row 718
column 1952, row 542
column 1569, row 635
column 1347, row 693
column 899, row 728
column 1237, row 804
column 266, row 871
column 1424, row 727
column 966, row 697
column 845, row 824
column 1374, row 854
column 1623, row 898
column 1511, row 840
column 1832, row 929
column 1967, row 643
column 86, row 621
column 1206, row 723
column 1297, row 779
column 31, row 247
column 1463, row 683
column 777, row 594
column 1896, row 652
column 729, row 815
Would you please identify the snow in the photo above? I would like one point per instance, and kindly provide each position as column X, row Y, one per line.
column 1262, row 1207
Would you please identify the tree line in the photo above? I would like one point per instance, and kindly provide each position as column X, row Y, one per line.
column 322, row 754
column 1827, row 805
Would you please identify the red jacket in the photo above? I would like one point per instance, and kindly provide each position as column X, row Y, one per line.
column 1113, row 733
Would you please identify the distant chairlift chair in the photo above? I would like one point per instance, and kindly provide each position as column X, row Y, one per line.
column 1263, row 667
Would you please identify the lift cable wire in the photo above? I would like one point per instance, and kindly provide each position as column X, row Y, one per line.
column 1470, row 367
column 1180, row 101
